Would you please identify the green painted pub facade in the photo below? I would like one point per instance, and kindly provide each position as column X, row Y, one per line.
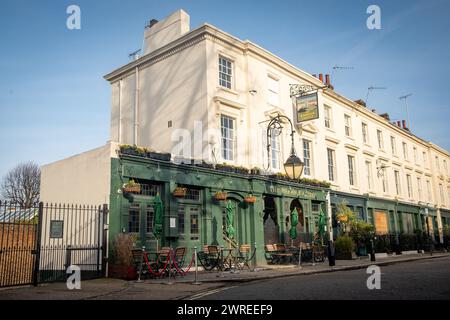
column 198, row 219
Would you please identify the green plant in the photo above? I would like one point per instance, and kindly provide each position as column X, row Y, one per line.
column 360, row 231
column 344, row 246
column 122, row 245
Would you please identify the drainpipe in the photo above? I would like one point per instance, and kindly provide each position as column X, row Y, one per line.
column 331, row 256
column 136, row 109
column 439, row 225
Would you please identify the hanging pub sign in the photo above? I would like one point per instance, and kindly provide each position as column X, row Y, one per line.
column 307, row 107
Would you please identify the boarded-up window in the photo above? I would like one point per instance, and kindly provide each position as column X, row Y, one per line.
column 381, row 222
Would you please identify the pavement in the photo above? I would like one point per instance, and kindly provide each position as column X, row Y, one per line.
column 182, row 287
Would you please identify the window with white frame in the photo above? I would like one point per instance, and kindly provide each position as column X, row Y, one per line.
column 307, row 157
column 228, row 137
column 328, row 117
column 331, row 164
column 365, row 132
column 409, row 185
column 393, row 146
column 369, row 175
column 445, row 166
column 380, row 140
column 425, row 159
column 429, row 191
column 437, row 164
column 416, row 158
column 419, row 187
column 351, row 170
column 348, row 125
column 405, row 150
column 384, row 180
column 225, row 72
column 441, row 192
column 448, row 192
column 275, row 150
column 273, row 87
column 398, row 188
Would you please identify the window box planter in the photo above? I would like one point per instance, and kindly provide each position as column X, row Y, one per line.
column 205, row 165
column 179, row 192
column 220, row 196
column 158, row 156
column 223, row 167
column 250, row 199
column 255, row 171
column 241, row 170
column 132, row 150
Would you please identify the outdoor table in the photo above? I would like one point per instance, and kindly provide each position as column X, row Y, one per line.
column 283, row 257
column 227, row 259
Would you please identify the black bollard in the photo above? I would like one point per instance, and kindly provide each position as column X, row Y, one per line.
column 331, row 257
column 372, row 251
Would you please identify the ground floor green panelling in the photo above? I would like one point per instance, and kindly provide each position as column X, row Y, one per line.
column 198, row 219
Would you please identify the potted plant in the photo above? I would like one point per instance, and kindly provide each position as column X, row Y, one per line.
column 220, row 196
column 360, row 232
column 179, row 192
column 131, row 187
column 122, row 266
column 224, row 167
column 344, row 247
column 250, row 199
column 205, row 164
column 255, row 171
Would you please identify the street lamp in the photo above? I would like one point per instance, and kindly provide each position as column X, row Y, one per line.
column 293, row 165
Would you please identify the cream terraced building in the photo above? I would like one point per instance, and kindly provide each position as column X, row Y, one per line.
column 206, row 80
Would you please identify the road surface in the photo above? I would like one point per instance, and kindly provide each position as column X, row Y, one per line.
column 427, row 279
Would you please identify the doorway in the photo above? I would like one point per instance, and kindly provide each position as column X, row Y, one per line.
column 270, row 221
column 302, row 230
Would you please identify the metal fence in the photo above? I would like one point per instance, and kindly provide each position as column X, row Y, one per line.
column 38, row 244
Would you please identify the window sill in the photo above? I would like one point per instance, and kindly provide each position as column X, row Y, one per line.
column 225, row 89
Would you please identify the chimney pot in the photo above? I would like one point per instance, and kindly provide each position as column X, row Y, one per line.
column 152, row 23
column 398, row 124
column 404, row 124
column 327, row 79
column 321, row 77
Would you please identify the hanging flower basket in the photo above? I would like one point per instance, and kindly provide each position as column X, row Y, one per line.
column 220, row 196
column 132, row 187
column 250, row 199
column 342, row 218
column 179, row 192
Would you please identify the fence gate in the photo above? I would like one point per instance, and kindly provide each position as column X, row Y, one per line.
column 38, row 244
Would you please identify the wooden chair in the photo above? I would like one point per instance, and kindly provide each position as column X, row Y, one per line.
column 209, row 257
column 269, row 253
column 282, row 254
column 179, row 256
column 243, row 258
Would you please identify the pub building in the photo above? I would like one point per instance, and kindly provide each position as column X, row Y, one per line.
column 241, row 114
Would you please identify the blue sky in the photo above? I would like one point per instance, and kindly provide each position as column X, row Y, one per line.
column 55, row 103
